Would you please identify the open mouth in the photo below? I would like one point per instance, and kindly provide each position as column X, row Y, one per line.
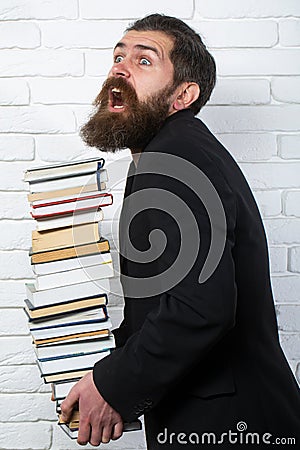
column 116, row 100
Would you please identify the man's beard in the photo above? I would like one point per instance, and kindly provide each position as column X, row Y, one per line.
column 132, row 128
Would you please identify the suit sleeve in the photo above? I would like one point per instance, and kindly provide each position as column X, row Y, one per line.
column 191, row 317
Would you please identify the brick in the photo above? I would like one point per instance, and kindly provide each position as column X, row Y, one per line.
column 292, row 203
column 27, row 408
column 16, row 148
column 116, row 313
column 241, row 92
column 269, row 202
column 289, row 32
column 17, row 379
column 249, row 147
column 14, row 92
column 52, row 63
column 24, row 436
column 131, row 9
column 16, row 351
column 14, row 205
column 289, row 146
column 82, row 114
column 82, row 34
column 37, row 119
column 258, row 62
column 19, row 35
column 252, row 118
column 11, row 176
column 16, row 235
column 235, row 9
column 113, row 212
column 98, row 62
column 291, row 344
column 294, row 259
column 14, row 322
column 117, row 171
column 38, row 9
column 278, row 259
column 12, row 293
column 56, row 148
column 288, row 317
column 297, row 372
column 272, row 175
column 286, row 89
column 15, row 264
column 64, row 90
column 286, row 288
column 221, row 33
column 283, row 231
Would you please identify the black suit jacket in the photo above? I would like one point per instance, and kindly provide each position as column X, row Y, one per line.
column 197, row 356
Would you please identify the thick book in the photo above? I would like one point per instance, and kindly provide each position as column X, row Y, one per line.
column 73, row 337
column 74, row 317
column 72, row 263
column 63, row 169
column 72, row 426
column 61, row 389
column 74, row 276
column 69, row 252
column 71, row 206
column 68, row 220
column 65, row 237
column 69, row 182
column 70, row 329
column 70, row 363
column 73, row 348
column 66, row 293
column 65, row 193
column 58, row 309
column 66, row 376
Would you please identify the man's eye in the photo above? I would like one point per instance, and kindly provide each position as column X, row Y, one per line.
column 145, row 62
column 118, row 59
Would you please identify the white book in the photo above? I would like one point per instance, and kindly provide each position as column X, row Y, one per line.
column 100, row 312
column 64, row 183
column 66, row 293
column 87, row 346
column 75, row 276
column 69, row 220
column 102, row 199
column 47, row 333
column 72, row 263
column 61, row 390
column 67, row 364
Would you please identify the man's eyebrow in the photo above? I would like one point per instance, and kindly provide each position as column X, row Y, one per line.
column 139, row 47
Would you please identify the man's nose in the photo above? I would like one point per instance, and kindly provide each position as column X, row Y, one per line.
column 120, row 70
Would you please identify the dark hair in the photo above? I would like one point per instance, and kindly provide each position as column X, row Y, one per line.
column 189, row 56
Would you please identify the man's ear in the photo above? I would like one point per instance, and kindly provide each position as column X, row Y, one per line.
column 186, row 94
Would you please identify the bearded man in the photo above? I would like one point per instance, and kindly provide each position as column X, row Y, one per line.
column 198, row 351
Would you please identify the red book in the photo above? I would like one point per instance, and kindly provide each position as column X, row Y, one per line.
column 84, row 202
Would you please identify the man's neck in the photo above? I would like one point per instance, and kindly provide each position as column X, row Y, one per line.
column 135, row 158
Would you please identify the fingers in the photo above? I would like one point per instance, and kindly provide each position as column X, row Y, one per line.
column 117, row 431
column 68, row 404
column 84, row 432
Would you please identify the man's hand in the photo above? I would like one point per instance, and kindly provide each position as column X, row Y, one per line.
column 99, row 422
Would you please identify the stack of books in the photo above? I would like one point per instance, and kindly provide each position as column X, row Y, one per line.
column 72, row 264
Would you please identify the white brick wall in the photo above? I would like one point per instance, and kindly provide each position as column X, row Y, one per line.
column 54, row 56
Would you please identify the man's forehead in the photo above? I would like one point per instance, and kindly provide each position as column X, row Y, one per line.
column 156, row 39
